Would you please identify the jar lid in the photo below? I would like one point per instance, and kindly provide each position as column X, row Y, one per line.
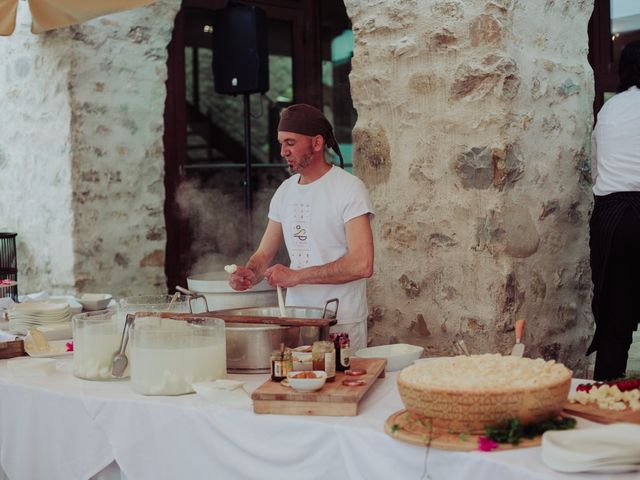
column 355, row 382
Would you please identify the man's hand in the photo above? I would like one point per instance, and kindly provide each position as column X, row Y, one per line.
column 279, row 275
column 242, row 279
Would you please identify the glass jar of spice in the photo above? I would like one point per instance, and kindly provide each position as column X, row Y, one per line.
column 323, row 357
column 281, row 364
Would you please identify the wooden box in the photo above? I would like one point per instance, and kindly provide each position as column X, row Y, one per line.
column 12, row 349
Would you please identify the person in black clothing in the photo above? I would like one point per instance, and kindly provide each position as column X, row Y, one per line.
column 615, row 222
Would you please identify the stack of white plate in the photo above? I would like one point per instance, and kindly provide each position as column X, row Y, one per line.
column 24, row 316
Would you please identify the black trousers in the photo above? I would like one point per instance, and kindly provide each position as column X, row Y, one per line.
column 615, row 267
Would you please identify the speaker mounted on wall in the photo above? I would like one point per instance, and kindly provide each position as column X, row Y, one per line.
column 240, row 50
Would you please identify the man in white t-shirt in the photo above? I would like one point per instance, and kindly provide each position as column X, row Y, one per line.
column 322, row 213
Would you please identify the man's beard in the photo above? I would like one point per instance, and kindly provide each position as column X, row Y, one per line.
column 303, row 163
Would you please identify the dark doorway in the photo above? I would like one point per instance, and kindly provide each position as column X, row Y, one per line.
column 310, row 46
column 613, row 24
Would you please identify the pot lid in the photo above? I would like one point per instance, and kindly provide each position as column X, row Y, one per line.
column 218, row 282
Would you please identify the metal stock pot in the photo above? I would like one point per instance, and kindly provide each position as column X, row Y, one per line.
column 253, row 333
column 249, row 345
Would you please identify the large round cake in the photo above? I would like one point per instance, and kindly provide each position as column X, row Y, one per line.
column 465, row 394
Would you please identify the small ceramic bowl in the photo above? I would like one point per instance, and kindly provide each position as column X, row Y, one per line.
column 94, row 301
column 298, row 382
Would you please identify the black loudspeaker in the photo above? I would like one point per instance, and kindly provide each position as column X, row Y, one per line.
column 240, row 52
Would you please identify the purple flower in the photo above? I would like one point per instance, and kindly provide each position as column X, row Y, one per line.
column 486, row 444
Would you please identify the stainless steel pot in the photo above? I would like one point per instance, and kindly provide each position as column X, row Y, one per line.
column 249, row 345
column 254, row 332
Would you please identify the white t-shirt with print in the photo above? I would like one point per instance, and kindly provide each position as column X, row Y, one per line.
column 313, row 218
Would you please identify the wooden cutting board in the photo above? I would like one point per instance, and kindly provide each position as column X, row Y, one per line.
column 333, row 399
column 595, row 414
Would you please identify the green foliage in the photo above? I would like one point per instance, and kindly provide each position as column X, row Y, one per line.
column 511, row 430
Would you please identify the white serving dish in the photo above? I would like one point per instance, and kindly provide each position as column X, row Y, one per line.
column 57, row 348
column 223, row 392
column 307, row 384
column 220, row 296
column 94, row 301
column 398, row 355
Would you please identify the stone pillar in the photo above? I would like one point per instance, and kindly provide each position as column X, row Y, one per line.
column 81, row 152
column 117, row 86
column 473, row 137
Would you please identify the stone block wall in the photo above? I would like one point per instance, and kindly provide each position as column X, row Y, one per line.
column 117, row 86
column 473, row 133
column 35, row 171
column 81, row 154
column 472, row 136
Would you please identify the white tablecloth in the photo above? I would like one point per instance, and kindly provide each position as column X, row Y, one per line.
column 60, row 427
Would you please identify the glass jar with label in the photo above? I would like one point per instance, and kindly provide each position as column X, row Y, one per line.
column 341, row 344
column 281, row 364
column 323, row 357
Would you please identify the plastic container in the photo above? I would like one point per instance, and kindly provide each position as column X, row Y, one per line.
column 168, row 356
column 96, row 338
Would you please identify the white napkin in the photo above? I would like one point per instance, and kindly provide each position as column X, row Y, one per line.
column 223, row 392
column 610, row 448
column 7, row 337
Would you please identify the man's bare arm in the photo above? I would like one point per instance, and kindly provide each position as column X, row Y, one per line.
column 247, row 276
column 356, row 264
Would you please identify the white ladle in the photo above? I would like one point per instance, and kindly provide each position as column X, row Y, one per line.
column 283, row 312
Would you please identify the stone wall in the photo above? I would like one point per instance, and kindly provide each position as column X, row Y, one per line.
column 35, row 171
column 473, row 131
column 81, row 151
column 472, row 135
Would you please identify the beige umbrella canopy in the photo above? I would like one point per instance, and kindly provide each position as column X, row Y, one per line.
column 52, row 14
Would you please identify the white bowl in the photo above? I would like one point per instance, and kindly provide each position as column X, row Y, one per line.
column 94, row 301
column 307, row 384
column 398, row 355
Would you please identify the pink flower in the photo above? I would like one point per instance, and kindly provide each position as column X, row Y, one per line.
column 69, row 346
column 486, row 444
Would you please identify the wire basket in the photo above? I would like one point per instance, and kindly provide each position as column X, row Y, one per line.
column 8, row 265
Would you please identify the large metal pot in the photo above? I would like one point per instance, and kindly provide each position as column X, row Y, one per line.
column 249, row 345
